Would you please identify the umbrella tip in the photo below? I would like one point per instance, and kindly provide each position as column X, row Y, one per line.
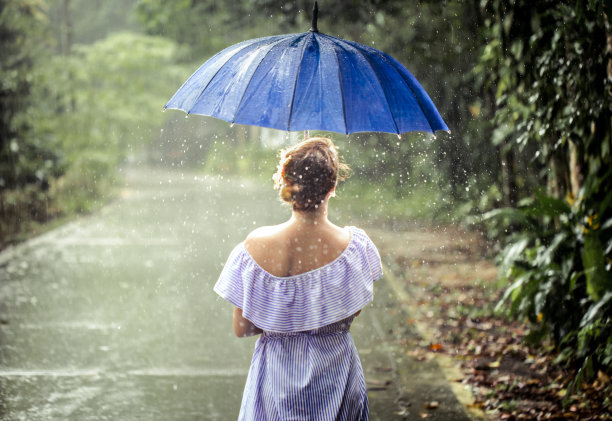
column 315, row 12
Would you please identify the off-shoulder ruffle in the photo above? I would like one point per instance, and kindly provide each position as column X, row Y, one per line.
column 306, row 301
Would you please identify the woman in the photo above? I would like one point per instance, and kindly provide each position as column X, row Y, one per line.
column 300, row 284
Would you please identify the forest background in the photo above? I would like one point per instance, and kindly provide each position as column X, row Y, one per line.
column 524, row 86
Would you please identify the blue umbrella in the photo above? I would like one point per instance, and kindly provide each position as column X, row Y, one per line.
column 309, row 81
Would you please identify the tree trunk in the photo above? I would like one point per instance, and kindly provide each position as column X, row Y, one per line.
column 559, row 176
column 68, row 39
column 575, row 169
column 510, row 191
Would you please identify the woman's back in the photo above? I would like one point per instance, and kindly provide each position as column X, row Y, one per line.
column 296, row 247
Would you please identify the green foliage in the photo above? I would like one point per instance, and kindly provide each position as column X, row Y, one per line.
column 102, row 103
column 406, row 182
column 552, row 281
column 547, row 62
column 24, row 157
column 233, row 158
column 69, row 120
column 109, row 93
column 90, row 20
column 378, row 203
column 205, row 26
column 106, row 105
column 27, row 160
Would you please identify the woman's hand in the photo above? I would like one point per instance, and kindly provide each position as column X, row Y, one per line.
column 242, row 326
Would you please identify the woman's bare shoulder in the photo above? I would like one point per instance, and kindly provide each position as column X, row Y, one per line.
column 264, row 233
column 263, row 238
column 267, row 245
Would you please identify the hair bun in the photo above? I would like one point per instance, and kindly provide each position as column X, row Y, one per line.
column 288, row 192
column 307, row 172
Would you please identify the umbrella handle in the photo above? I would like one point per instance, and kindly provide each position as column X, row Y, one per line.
column 315, row 12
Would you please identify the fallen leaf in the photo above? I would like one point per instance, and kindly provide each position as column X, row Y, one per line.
column 432, row 405
column 436, row 347
column 494, row 364
column 374, row 384
column 603, row 377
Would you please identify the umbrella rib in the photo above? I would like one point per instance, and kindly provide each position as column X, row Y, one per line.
column 398, row 68
column 297, row 75
column 281, row 38
column 213, row 76
column 367, row 59
column 416, row 97
column 341, row 92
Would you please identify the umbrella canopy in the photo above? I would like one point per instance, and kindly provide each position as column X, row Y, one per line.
column 309, row 81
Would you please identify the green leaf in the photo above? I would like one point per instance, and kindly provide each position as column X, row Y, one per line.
column 513, row 290
column 535, row 335
column 574, row 278
column 548, row 206
column 598, row 279
column 595, row 311
column 510, row 214
column 546, row 257
column 605, row 204
column 512, row 253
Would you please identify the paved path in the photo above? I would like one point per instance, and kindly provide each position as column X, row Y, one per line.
column 112, row 317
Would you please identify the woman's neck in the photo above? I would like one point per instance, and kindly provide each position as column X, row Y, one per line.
column 310, row 219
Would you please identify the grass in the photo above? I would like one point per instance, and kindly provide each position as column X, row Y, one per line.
column 376, row 202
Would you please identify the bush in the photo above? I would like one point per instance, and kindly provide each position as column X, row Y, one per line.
column 558, row 260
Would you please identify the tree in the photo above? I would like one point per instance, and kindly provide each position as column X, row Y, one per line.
column 104, row 101
column 549, row 63
column 24, row 157
column 70, row 117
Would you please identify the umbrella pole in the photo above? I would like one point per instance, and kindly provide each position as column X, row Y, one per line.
column 315, row 13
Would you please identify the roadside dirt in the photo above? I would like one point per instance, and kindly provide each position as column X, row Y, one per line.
column 452, row 288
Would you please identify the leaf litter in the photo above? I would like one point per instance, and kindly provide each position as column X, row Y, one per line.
column 453, row 289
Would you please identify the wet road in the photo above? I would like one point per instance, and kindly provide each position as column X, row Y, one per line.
column 113, row 317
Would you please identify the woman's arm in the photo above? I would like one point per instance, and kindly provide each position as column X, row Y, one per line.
column 242, row 326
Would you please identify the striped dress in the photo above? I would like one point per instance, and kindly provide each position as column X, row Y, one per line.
column 305, row 365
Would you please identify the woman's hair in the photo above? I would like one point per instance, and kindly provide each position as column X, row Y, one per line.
column 307, row 172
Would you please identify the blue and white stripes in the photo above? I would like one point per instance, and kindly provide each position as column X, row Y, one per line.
column 305, row 365
column 306, row 301
column 314, row 375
